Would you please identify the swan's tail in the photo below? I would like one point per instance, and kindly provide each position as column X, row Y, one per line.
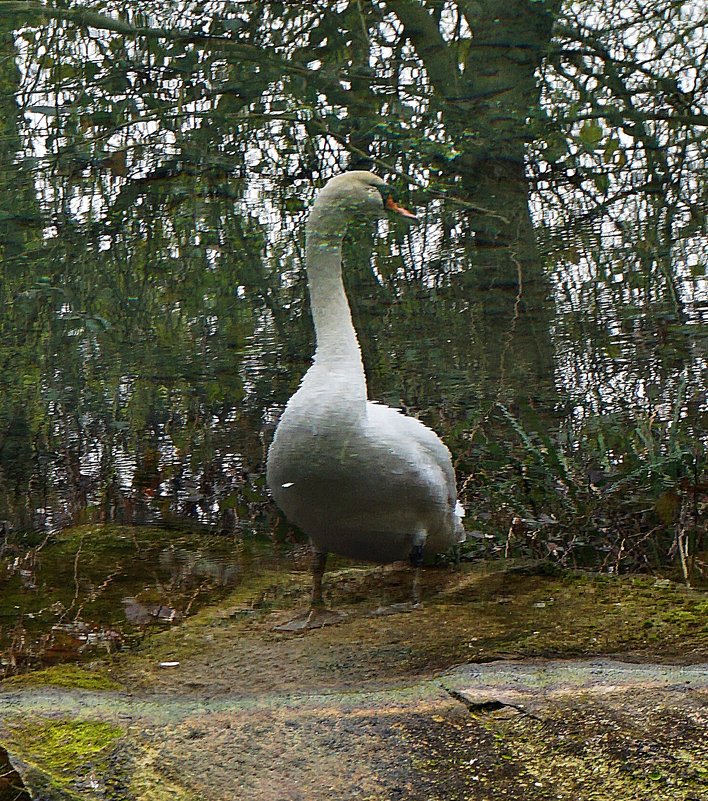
column 459, row 529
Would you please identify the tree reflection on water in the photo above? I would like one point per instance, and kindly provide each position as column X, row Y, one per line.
column 545, row 316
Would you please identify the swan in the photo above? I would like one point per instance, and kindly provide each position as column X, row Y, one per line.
column 359, row 478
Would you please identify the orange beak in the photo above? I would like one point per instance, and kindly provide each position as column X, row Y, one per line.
column 391, row 205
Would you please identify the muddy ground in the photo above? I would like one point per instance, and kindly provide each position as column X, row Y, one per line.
column 507, row 684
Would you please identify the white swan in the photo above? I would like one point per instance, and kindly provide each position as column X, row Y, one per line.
column 359, row 478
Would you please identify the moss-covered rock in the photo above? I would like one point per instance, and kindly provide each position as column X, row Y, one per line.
column 65, row 759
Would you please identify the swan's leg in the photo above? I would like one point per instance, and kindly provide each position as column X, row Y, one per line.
column 415, row 587
column 317, row 615
column 416, row 560
column 319, row 561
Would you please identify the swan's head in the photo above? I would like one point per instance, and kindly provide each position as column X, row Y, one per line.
column 354, row 195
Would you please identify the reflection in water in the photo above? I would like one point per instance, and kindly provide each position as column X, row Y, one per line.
column 140, row 614
column 94, row 590
column 546, row 316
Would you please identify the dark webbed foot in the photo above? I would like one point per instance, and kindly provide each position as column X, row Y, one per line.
column 313, row 619
column 318, row 615
column 396, row 609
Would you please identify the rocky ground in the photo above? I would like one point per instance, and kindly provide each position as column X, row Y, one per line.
column 507, row 684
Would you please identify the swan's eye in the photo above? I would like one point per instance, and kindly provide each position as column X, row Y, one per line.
column 385, row 191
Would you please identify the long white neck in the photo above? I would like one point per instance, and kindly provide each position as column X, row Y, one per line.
column 337, row 353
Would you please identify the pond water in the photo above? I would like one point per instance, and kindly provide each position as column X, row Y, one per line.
column 546, row 315
column 93, row 591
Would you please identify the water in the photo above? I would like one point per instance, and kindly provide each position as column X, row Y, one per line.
column 546, row 315
column 93, row 590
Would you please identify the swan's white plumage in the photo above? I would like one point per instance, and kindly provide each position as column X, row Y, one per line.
column 359, row 478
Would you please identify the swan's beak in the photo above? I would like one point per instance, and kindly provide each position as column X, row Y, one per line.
column 391, row 205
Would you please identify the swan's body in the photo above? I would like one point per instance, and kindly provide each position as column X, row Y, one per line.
column 359, row 478
column 366, row 483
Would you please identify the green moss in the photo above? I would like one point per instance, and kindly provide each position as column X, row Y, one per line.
column 254, row 597
column 67, row 676
column 65, row 759
column 260, row 591
column 493, row 613
column 67, row 745
column 82, row 575
column 489, row 611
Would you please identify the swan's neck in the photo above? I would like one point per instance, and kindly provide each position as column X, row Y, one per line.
column 337, row 345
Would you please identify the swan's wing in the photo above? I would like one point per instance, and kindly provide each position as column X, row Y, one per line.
column 422, row 444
